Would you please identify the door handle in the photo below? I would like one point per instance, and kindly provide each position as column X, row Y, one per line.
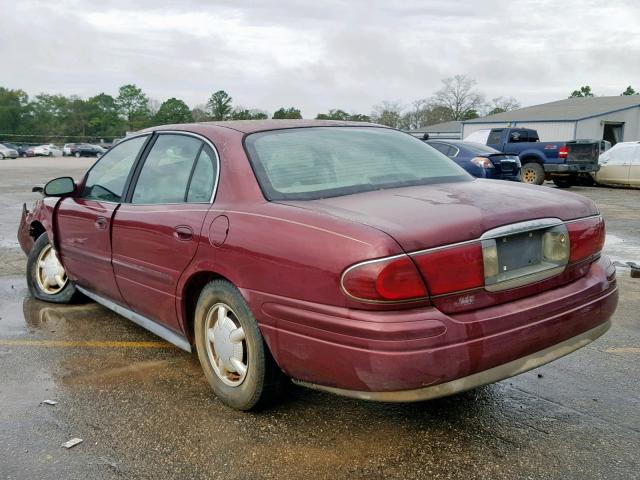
column 100, row 223
column 183, row 233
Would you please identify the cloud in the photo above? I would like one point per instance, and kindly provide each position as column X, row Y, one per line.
column 319, row 55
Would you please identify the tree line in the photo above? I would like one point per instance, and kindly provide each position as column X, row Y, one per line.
column 59, row 118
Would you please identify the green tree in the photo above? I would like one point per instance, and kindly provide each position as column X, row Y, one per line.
column 133, row 106
column 291, row 113
column 241, row 113
column 337, row 114
column 13, row 107
column 103, row 117
column 630, row 91
column 173, row 111
column 219, row 105
column 583, row 92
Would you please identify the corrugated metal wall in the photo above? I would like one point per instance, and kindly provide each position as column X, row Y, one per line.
column 593, row 127
column 547, row 131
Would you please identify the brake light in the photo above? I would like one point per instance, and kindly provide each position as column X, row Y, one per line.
column 482, row 162
column 586, row 238
column 452, row 269
column 387, row 280
column 563, row 152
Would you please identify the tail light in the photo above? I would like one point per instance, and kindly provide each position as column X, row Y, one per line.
column 388, row 280
column 586, row 238
column 476, row 264
column 452, row 269
column 563, row 152
column 482, row 162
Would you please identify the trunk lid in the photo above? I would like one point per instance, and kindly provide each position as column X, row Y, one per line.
column 434, row 215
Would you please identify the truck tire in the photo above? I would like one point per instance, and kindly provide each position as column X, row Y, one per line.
column 563, row 182
column 533, row 173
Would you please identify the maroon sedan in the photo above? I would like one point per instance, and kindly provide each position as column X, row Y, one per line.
column 349, row 257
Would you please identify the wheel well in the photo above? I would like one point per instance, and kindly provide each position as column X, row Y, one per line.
column 36, row 229
column 192, row 290
column 525, row 160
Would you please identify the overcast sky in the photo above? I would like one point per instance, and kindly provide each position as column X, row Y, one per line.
column 322, row 54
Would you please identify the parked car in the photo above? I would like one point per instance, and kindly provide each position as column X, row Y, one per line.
column 68, row 149
column 87, row 150
column 49, row 150
column 350, row 257
column 479, row 160
column 6, row 152
column 620, row 165
column 562, row 162
column 21, row 149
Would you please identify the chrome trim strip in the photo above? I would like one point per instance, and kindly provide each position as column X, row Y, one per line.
column 525, row 280
column 146, row 323
column 520, row 227
column 492, row 375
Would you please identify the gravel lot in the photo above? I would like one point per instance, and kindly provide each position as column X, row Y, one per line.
column 144, row 410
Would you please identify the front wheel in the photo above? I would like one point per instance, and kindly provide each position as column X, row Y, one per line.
column 46, row 277
column 231, row 350
column 533, row 173
column 77, row 154
column 1, row 156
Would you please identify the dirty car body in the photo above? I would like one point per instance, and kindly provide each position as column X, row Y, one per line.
column 384, row 286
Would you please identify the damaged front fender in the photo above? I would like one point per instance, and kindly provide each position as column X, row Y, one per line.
column 33, row 224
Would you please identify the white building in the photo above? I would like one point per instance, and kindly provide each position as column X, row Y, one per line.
column 615, row 119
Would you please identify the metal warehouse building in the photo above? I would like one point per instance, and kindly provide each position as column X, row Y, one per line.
column 615, row 119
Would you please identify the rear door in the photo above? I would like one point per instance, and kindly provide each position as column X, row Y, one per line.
column 83, row 222
column 156, row 232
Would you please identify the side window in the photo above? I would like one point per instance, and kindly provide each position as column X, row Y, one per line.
column 107, row 177
column 166, row 170
column 494, row 137
column 518, row 136
column 203, row 177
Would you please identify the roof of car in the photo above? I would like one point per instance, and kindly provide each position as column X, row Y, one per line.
column 252, row 126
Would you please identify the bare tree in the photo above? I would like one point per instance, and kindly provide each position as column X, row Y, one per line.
column 502, row 104
column 388, row 113
column 459, row 94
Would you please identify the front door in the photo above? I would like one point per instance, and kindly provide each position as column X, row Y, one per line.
column 157, row 231
column 84, row 221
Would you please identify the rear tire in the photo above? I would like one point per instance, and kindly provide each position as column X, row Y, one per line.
column 234, row 356
column 46, row 277
column 532, row 173
column 562, row 182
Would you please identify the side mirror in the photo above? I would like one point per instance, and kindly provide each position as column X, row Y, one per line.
column 60, row 187
column 37, row 189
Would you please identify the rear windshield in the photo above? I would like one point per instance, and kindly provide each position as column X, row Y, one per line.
column 320, row 162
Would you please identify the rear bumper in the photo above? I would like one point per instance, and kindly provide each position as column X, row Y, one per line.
column 415, row 354
column 571, row 167
column 491, row 375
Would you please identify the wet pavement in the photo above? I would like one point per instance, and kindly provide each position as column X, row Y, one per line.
column 144, row 409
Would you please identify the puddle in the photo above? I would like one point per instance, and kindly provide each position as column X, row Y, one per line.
column 622, row 250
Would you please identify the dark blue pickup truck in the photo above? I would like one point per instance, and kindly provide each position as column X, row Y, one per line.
column 562, row 162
